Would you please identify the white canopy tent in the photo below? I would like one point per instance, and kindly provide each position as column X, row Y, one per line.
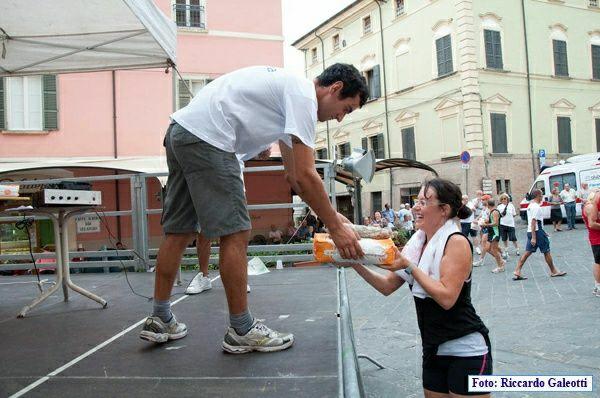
column 65, row 36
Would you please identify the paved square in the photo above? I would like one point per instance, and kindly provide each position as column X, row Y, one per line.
column 541, row 325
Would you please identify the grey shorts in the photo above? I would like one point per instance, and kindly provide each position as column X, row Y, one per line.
column 204, row 189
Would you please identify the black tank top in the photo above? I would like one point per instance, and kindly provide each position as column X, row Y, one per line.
column 438, row 325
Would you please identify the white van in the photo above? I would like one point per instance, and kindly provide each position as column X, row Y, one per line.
column 577, row 169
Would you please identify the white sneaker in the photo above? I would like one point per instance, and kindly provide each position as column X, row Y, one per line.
column 596, row 292
column 157, row 331
column 259, row 338
column 247, row 288
column 478, row 250
column 518, row 252
column 505, row 255
column 497, row 270
column 199, row 284
column 478, row 263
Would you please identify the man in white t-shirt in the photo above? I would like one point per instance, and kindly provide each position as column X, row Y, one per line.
column 239, row 114
column 536, row 238
column 569, row 198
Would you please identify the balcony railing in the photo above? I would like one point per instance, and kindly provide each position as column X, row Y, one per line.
column 191, row 16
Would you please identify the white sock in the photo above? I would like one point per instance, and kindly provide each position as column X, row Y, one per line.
column 597, row 285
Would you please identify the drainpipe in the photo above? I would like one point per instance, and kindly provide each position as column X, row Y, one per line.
column 528, row 88
column 385, row 100
column 116, row 151
column 323, row 62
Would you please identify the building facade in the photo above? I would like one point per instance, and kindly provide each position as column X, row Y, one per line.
column 125, row 113
column 500, row 79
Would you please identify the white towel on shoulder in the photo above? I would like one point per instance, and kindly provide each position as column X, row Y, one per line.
column 429, row 261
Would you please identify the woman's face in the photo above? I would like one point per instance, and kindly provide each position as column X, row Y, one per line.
column 429, row 214
column 504, row 201
column 377, row 216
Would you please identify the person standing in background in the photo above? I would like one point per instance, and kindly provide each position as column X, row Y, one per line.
column 591, row 211
column 569, row 197
column 507, row 224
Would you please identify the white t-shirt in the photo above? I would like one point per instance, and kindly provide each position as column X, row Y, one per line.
column 472, row 216
column 509, row 219
column 569, row 196
column 534, row 210
column 248, row 109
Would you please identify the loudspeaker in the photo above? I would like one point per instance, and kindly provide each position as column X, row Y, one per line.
column 361, row 163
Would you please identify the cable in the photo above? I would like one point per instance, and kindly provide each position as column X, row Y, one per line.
column 24, row 225
column 113, row 243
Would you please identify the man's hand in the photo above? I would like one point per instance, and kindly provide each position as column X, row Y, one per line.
column 346, row 242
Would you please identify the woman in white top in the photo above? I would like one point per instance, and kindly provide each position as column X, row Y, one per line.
column 436, row 263
column 507, row 224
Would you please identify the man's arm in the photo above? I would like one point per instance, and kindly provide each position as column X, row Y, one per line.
column 591, row 211
column 300, row 172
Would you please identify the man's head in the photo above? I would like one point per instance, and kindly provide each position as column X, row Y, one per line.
column 341, row 89
column 273, row 228
column 584, row 185
column 387, row 206
column 479, row 193
column 120, row 246
column 567, row 187
column 536, row 195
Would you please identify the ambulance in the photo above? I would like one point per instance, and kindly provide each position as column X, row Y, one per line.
column 574, row 171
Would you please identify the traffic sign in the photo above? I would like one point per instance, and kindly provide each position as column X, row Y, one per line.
column 542, row 153
column 465, row 157
column 465, row 166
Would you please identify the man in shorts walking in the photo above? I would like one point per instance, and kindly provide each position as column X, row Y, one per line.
column 536, row 238
column 241, row 113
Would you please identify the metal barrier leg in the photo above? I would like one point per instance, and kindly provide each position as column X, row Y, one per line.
column 59, row 274
column 368, row 358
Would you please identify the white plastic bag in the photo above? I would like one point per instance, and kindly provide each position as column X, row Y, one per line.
column 256, row 267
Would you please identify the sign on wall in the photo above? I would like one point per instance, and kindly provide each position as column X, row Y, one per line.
column 87, row 224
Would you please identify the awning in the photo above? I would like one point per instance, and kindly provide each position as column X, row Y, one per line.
column 64, row 36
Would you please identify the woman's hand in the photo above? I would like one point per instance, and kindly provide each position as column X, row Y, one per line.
column 400, row 262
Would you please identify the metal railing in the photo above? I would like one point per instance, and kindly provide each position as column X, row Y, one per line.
column 141, row 255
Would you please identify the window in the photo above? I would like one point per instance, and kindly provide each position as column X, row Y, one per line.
column 377, row 146
column 190, row 13
column 443, row 47
column 183, row 93
column 313, row 55
column 322, row 153
column 373, row 82
column 399, row 7
column 498, row 123
column 564, row 135
column 344, row 150
column 595, row 62
column 364, row 143
column 375, row 202
column 560, row 180
column 539, row 185
column 493, row 49
column 597, row 134
column 408, row 143
column 28, row 103
column 561, row 66
column 336, row 42
column 503, row 186
column 366, row 24
column 593, row 3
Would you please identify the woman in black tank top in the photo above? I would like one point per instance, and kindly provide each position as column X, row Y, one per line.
column 444, row 311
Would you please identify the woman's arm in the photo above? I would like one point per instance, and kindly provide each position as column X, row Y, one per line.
column 386, row 283
column 455, row 267
column 591, row 211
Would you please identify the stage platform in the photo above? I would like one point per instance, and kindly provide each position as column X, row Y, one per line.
column 78, row 349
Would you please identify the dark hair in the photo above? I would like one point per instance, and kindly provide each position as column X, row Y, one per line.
column 448, row 193
column 354, row 82
column 535, row 193
column 492, row 202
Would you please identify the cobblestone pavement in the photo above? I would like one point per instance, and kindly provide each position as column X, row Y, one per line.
column 541, row 325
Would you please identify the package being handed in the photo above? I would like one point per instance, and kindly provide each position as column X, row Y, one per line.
column 377, row 251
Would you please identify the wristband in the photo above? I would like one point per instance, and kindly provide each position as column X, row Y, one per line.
column 409, row 269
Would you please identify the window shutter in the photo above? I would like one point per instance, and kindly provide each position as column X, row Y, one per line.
column 596, row 62
column 2, row 106
column 376, row 82
column 380, row 147
column 499, row 142
column 408, row 143
column 183, row 94
column 493, row 49
column 49, row 102
column 365, row 144
column 444, row 55
column 564, row 135
column 561, row 65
